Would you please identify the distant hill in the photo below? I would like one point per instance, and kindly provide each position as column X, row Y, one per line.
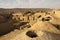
column 7, row 11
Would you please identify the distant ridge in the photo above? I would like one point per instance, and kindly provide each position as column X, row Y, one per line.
column 4, row 11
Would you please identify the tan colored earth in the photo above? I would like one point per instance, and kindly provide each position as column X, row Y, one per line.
column 39, row 25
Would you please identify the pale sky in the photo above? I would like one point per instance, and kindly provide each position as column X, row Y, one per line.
column 29, row 3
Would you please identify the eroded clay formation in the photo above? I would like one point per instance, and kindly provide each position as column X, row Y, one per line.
column 30, row 25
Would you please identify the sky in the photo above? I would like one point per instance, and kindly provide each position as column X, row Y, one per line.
column 29, row 3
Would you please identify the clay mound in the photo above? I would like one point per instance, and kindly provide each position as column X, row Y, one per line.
column 36, row 35
column 39, row 31
column 45, row 26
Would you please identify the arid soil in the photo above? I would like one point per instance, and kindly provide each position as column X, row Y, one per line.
column 28, row 24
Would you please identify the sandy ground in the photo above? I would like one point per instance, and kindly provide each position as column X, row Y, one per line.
column 40, row 30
